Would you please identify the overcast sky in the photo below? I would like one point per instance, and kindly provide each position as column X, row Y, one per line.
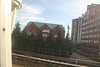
column 52, row 11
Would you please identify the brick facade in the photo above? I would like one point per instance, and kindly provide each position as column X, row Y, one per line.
column 90, row 31
column 36, row 27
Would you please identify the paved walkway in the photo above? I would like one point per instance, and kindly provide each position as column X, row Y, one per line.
column 76, row 55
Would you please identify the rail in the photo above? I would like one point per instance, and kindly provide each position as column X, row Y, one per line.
column 47, row 60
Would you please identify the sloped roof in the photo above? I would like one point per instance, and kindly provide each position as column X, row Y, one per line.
column 51, row 26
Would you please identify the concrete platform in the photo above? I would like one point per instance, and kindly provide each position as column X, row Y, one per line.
column 76, row 56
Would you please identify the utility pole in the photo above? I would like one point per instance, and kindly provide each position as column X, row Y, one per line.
column 5, row 32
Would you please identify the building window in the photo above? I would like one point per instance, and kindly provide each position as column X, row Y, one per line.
column 95, row 30
column 86, row 41
column 35, row 34
column 83, row 24
column 82, row 41
column 93, row 13
column 90, row 36
column 92, row 20
column 99, row 17
column 96, row 41
column 91, row 41
column 92, row 25
column 92, row 30
column 83, row 32
column 97, row 35
column 96, row 18
column 45, row 35
column 55, row 36
column 95, row 24
column 82, row 36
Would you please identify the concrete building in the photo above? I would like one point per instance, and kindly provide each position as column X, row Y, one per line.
column 77, row 29
column 74, row 30
column 46, row 28
column 80, row 19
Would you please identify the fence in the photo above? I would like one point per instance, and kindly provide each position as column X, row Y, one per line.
column 51, row 52
column 32, row 63
column 46, row 53
column 95, row 57
column 60, row 53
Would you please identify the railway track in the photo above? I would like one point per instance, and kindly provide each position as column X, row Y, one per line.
column 47, row 60
column 60, row 59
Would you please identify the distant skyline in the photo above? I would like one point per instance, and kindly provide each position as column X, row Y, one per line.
column 52, row 11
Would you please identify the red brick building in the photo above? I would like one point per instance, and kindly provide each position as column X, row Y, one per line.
column 91, row 30
column 36, row 27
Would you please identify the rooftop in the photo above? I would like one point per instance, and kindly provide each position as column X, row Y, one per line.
column 40, row 24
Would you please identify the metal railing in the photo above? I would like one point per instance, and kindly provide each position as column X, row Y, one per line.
column 51, row 52
column 59, row 53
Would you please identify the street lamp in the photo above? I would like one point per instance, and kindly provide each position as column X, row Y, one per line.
column 8, row 10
